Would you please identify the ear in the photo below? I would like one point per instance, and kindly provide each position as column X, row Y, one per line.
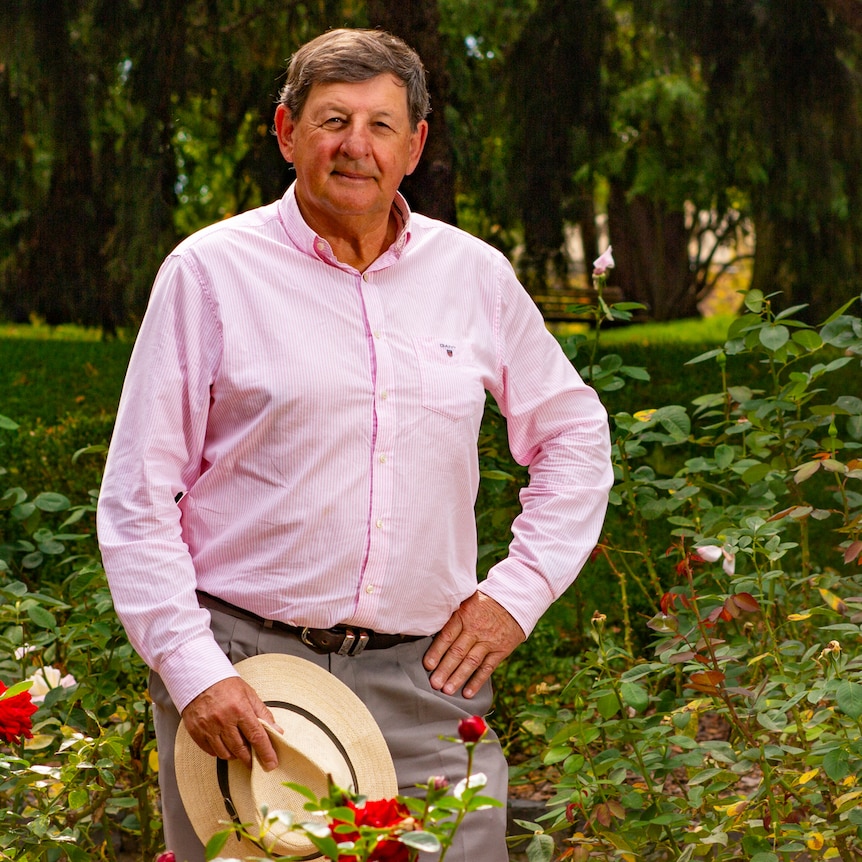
column 417, row 144
column 284, row 128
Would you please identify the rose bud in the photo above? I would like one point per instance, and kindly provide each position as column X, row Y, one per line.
column 472, row 729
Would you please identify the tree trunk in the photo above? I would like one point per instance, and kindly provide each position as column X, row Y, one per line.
column 64, row 273
column 651, row 255
column 431, row 188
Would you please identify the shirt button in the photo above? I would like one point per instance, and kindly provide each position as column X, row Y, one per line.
column 384, row 395
column 382, row 459
column 369, row 589
column 365, row 276
column 377, row 334
column 378, row 523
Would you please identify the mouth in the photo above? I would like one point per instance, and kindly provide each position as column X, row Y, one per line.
column 352, row 176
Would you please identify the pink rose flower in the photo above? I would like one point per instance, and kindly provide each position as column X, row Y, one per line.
column 603, row 263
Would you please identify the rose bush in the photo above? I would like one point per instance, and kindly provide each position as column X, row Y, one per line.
column 77, row 779
column 389, row 816
column 16, row 709
column 739, row 734
column 382, row 830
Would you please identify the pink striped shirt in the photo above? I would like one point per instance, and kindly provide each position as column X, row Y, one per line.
column 319, row 428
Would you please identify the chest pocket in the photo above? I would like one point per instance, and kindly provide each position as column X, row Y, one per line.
column 450, row 380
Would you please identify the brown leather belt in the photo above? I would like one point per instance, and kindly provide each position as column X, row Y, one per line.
column 343, row 640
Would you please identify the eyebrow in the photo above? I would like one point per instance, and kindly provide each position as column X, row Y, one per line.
column 339, row 108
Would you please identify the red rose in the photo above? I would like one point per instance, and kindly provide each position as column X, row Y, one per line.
column 15, row 713
column 379, row 814
column 472, row 729
column 167, row 856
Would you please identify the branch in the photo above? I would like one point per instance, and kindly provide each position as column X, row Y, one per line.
column 849, row 11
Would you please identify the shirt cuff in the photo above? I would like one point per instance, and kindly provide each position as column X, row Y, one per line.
column 193, row 668
column 521, row 592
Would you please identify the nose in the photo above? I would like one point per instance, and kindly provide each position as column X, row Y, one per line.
column 356, row 142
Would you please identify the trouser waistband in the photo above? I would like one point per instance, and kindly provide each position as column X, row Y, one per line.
column 343, row 640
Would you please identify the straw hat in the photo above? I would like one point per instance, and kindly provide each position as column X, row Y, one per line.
column 327, row 731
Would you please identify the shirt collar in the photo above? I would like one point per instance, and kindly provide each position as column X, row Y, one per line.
column 314, row 245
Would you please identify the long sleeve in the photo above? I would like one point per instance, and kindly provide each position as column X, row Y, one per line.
column 155, row 456
column 559, row 429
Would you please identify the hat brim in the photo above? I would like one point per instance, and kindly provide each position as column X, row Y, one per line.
column 325, row 722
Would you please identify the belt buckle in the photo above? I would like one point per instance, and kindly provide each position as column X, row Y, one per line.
column 353, row 645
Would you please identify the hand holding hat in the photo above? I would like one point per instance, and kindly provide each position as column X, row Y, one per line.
column 320, row 729
column 225, row 721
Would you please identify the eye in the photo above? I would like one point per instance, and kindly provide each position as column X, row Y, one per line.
column 334, row 123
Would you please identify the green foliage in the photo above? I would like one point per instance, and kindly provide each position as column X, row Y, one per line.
column 739, row 736
column 84, row 780
column 711, row 709
column 422, row 824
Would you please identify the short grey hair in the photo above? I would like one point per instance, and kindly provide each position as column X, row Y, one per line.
column 351, row 56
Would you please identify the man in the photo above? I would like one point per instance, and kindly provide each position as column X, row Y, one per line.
column 296, row 447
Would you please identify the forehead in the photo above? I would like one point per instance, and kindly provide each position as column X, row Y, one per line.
column 381, row 94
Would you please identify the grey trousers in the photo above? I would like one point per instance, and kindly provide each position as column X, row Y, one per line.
column 412, row 716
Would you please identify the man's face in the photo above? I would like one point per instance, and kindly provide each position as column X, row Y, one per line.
column 351, row 147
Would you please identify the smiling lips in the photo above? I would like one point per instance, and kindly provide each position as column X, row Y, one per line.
column 350, row 175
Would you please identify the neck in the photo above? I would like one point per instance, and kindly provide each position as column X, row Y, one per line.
column 359, row 241
column 361, row 248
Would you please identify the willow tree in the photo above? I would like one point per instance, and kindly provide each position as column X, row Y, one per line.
column 120, row 117
column 557, row 124
column 785, row 114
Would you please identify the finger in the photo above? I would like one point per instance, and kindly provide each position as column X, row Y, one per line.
column 479, row 677
column 442, row 643
column 236, row 746
column 458, row 663
column 471, row 674
column 259, row 740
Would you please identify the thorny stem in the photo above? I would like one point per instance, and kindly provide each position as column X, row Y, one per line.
column 655, row 795
column 624, row 600
column 599, row 282
column 462, row 813
column 645, row 554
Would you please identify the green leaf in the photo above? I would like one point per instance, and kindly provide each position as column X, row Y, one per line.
column 302, row 790
column 556, row 754
column 805, row 471
column 608, row 705
column 808, row 339
column 675, row 420
column 78, row 798
column 540, row 848
column 497, row 474
column 217, row 843
column 724, row 456
column 710, row 354
column 849, row 698
column 754, row 301
column 421, row 841
column 774, row 337
column 755, row 473
column 635, row 372
column 42, row 618
column 50, row 502
column 7, row 424
column 635, row 696
column 836, row 764
column 764, row 857
column 89, row 450
column 19, row 687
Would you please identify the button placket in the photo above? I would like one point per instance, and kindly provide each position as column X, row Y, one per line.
column 385, row 411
